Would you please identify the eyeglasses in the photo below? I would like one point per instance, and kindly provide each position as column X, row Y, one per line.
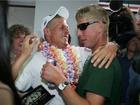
column 83, row 26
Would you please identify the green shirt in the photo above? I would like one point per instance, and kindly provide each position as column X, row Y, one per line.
column 101, row 81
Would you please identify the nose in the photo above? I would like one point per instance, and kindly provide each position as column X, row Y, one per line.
column 67, row 31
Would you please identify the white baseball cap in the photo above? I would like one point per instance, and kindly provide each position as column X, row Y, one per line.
column 62, row 11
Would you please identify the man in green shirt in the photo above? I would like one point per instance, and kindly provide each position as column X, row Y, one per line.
column 96, row 86
column 101, row 82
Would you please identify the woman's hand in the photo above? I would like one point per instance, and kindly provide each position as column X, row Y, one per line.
column 29, row 43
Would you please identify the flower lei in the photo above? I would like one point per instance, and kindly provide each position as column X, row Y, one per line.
column 66, row 59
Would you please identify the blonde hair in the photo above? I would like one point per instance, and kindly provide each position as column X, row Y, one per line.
column 96, row 12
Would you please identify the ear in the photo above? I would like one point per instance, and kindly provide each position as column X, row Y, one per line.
column 47, row 33
column 100, row 26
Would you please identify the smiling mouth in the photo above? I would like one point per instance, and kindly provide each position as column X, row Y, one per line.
column 82, row 40
column 66, row 38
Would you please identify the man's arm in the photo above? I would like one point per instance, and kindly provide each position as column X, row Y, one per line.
column 72, row 98
column 104, row 55
column 95, row 99
column 27, row 49
column 55, row 75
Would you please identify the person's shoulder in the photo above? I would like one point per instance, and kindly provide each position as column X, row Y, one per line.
column 37, row 56
column 5, row 89
column 6, row 95
column 78, row 47
column 116, row 60
column 115, row 64
column 81, row 49
column 4, row 86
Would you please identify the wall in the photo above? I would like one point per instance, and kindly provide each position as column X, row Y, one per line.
column 19, row 14
column 48, row 7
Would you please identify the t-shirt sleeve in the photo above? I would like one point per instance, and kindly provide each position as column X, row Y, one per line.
column 30, row 73
column 99, row 81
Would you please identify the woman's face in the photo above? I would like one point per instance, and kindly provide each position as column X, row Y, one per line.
column 17, row 44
